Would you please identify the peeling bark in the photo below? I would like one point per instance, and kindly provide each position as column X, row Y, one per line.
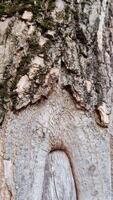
column 56, row 100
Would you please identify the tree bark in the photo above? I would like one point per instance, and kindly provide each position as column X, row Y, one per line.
column 56, row 100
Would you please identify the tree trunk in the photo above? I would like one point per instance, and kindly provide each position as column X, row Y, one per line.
column 56, row 100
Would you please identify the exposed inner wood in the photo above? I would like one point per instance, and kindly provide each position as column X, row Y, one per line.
column 58, row 181
column 111, row 148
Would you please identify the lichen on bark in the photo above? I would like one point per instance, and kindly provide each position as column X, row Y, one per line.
column 72, row 37
column 60, row 51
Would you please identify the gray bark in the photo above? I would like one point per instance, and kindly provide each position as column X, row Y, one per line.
column 56, row 100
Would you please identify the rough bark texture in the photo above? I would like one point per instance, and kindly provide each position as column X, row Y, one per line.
column 57, row 55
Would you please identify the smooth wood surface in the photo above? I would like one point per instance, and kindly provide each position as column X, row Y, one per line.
column 58, row 181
